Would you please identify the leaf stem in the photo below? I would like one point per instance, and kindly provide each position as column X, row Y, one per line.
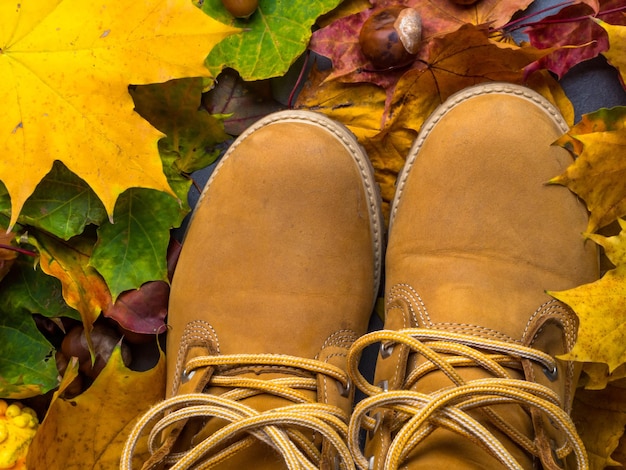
column 18, row 250
column 305, row 64
column 540, row 12
column 566, row 20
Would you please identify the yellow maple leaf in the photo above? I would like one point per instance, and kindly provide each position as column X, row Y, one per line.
column 66, row 66
column 598, row 172
column 601, row 308
column 616, row 54
column 89, row 430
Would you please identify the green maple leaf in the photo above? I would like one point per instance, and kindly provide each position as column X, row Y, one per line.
column 133, row 250
column 273, row 38
column 192, row 134
column 28, row 290
column 62, row 204
column 27, row 366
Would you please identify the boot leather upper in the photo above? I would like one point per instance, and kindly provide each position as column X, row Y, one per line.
column 476, row 238
column 282, row 257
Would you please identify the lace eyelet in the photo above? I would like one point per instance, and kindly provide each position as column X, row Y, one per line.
column 345, row 391
column 370, row 463
column 186, row 376
column 551, row 374
column 378, row 418
column 386, row 349
column 555, row 457
column 384, row 385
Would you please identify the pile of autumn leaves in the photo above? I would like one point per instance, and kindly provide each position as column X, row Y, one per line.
column 460, row 47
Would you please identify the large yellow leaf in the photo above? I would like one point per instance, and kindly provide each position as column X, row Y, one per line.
column 89, row 430
column 65, row 66
column 601, row 308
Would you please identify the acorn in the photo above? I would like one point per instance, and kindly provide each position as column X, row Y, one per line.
column 241, row 8
column 391, row 36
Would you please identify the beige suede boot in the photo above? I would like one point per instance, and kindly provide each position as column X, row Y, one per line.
column 468, row 375
column 277, row 277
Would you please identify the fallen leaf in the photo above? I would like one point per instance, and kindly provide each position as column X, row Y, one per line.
column 600, row 418
column 83, row 288
column 445, row 17
column 600, row 307
column 598, row 173
column 133, row 250
column 89, row 430
column 388, row 151
column 276, row 34
column 27, row 366
column 602, row 120
column 571, row 26
column 144, row 310
column 66, row 66
column 456, row 61
column 616, row 54
column 62, row 204
column 192, row 133
column 241, row 103
column 28, row 290
column 596, row 376
column 357, row 106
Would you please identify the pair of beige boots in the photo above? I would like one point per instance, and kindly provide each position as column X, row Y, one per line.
column 280, row 270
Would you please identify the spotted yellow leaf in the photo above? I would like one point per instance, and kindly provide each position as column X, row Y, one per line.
column 601, row 308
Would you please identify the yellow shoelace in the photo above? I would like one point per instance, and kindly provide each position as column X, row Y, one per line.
column 416, row 414
column 281, row 428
